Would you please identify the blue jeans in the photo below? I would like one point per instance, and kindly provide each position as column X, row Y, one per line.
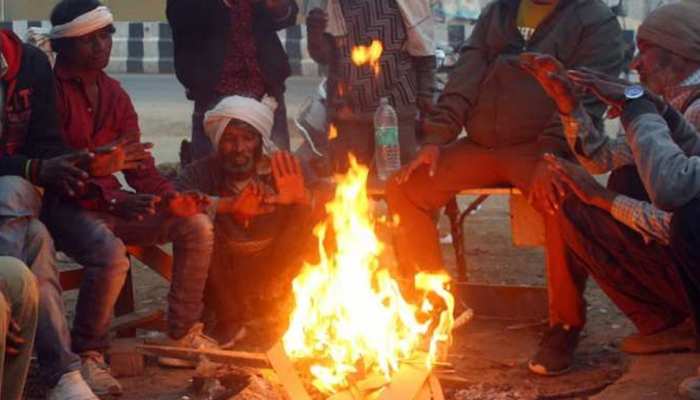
column 98, row 242
column 201, row 145
column 24, row 237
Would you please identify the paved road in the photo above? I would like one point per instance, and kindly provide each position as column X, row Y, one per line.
column 165, row 113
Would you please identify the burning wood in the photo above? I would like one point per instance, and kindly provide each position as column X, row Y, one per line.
column 351, row 318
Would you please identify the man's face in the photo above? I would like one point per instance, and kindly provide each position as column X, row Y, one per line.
column 239, row 148
column 91, row 51
column 653, row 64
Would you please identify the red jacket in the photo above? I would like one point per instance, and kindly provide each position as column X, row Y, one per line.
column 85, row 128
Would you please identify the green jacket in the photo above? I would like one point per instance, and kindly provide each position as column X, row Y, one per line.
column 498, row 103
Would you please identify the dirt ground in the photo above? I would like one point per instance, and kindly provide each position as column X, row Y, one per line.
column 490, row 355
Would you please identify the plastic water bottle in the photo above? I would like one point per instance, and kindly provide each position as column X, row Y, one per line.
column 387, row 153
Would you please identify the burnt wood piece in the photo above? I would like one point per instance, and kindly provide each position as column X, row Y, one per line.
column 256, row 360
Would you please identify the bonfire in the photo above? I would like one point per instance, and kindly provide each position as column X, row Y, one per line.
column 350, row 316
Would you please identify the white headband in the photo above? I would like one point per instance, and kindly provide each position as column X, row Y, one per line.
column 87, row 23
column 259, row 114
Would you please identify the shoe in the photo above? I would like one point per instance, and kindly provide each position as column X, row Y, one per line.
column 690, row 388
column 675, row 339
column 71, row 386
column 96, row 373
column 556, row 353
column 194, row 339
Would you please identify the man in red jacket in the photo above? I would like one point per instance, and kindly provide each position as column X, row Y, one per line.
column 93, row 228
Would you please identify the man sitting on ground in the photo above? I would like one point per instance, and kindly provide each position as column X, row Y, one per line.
column 260, row 234
column 19, row 312
column 95, row 226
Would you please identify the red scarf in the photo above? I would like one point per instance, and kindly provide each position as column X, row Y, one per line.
column 241, row 73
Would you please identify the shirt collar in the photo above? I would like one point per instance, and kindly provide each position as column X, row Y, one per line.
column 678, row 95
column 693, row 79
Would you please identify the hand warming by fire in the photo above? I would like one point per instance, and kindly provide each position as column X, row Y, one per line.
column 350, row 316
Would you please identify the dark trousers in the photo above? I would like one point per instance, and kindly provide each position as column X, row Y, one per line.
column 240, row 281
column 685, row 244
column 98, row 242
column 466, row 165
column 201, row 145
column 641, row 279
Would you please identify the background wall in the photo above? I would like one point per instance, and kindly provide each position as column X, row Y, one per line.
column 124, row 10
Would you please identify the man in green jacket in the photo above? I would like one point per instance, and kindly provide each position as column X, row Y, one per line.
column 511, row 123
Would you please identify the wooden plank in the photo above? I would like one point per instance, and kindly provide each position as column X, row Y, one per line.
column 526, row 223
column 514, row 302
column 435, row 388
column 406, row 383
column 451, row 379
column 70, row 279
column 154, row 258
column 288, row 375
column 424, row 393
column 256, row 360
column 342, row 396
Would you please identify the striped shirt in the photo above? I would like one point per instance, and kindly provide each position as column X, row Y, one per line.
column 599, row 153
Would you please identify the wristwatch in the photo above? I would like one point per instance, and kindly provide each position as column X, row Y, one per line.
column 633, row 92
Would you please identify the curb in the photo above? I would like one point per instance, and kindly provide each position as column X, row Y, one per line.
column 147, row 47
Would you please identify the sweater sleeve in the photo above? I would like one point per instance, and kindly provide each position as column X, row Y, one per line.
column 666, row 154
column 601, row 48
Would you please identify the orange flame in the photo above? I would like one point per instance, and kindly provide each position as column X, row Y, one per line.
column 350, row 313
column 368, row 55
column 332, row 132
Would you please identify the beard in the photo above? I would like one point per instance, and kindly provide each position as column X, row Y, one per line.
column 240, row 165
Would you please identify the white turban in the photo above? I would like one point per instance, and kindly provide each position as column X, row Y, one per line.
column 259, row 114
column 89, row 22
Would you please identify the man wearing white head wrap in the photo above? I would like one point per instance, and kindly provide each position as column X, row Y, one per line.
column 259, row 114
column 260, row 207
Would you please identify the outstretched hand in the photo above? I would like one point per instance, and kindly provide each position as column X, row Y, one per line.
column 289, row 180
column 552, row 76
column 580, row 182
column 14, row 340
column 608, row 89
column 428, row 156
column 186, row 204
column 249, row 204
column 126, row 154
column 64, row 174
column 546, row 191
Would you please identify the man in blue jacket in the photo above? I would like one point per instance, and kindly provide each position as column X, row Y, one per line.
column 225, row 48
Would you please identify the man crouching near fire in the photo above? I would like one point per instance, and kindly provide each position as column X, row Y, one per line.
column 262, row 213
